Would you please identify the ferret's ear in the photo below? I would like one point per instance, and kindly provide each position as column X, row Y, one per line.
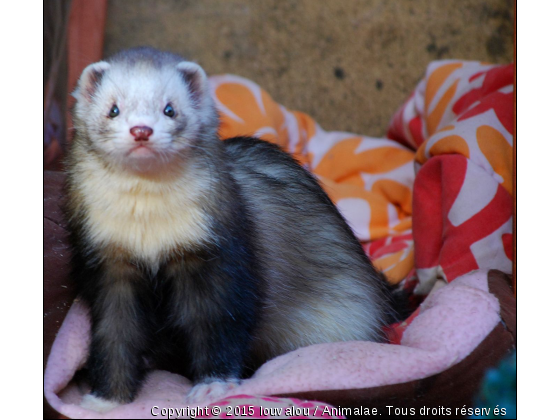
column 195, row 78
column 90, row 79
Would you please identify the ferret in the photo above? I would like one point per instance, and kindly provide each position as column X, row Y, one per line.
column 201, row 256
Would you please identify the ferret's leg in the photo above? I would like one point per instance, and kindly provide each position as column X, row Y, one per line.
column 214, row 308
column 119, row 333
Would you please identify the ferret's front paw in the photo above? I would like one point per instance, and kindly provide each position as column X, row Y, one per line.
column 208, row 392
column 100, row 405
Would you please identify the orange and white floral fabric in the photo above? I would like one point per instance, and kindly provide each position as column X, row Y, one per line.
column 460, row 122
column 460, row 111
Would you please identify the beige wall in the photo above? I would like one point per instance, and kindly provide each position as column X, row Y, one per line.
column 348, row 63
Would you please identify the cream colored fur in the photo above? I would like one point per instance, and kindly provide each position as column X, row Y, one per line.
column 147, row 218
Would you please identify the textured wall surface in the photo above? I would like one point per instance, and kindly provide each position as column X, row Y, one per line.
column 349, row 64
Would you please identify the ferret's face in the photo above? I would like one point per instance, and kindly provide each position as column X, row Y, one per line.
column 141, row 117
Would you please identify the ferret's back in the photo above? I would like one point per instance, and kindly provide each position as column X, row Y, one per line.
column 320, row 285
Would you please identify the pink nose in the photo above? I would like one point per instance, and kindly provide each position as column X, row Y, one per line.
column 141, row 133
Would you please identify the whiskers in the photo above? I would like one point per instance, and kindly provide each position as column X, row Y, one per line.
column 179, row 152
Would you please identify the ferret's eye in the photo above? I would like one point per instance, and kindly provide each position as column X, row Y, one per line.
column 114, row 111
column 169, row 111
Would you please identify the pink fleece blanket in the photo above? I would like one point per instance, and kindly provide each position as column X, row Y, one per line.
column 452, row 321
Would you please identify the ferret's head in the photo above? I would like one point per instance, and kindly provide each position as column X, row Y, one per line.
column 144, row 109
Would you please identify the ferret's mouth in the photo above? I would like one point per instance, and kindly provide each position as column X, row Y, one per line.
column 142, row 151
column 143, row 158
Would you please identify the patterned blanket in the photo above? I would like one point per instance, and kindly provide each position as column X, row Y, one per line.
column 448, row 156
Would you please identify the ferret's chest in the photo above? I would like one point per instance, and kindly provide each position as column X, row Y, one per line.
column 143, row 220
